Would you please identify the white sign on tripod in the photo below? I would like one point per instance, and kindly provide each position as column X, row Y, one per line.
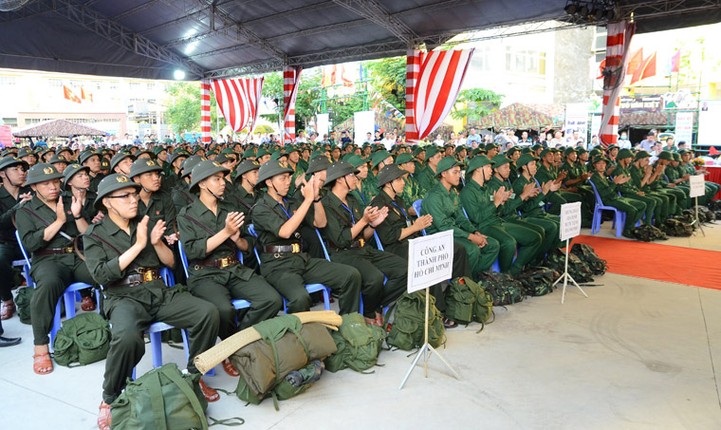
column 430, row 260
column 570, row 220
column 697, row 186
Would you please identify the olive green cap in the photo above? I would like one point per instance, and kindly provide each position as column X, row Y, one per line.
column 59, row 159
column 85, row 156
column 355, row 160
column 112, row 183
column 42, row 172
column 640, row 155
column 244, row 167
column 511, row 151
column 144, row 165
column 174, row 156
column 477, row 163
column 317, row 164
column 600, row 158
column 418, row 149
column 158, row 149
column 189, row 164
column 70, row 171
column 569, row 150
column 676, row 156
column 270, row 169
column 536, row 147
column 249, row 153
column 261, row 152
column 9, row 161
column 500, row 160
column 338, row 170
column 404, row 158
column 665, row 155
column 204, row 170
column 624, row 153
column 525, row 159
column 490, row 146
column 445, row 164
column 431, row 150
column 389, row 173
column 378, row 157
column 581, row 150
column 545, row 152
column 120, row 156
column 684, row 151
column 460, row 148
column 24, row 152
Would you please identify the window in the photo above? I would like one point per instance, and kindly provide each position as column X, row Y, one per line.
column 525, row 61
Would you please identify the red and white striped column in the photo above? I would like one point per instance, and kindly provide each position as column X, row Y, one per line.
column 413, row 67
column 205, row 111
column 618, row 41
column 291, row 80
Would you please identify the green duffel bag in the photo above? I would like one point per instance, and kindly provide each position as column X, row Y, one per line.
column 162, row 399
column 358, row 344
column 467, row 301
column 83, row 339
column 22, row 301
column 407, row 331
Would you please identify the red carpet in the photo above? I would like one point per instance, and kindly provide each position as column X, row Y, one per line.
column 667, row 263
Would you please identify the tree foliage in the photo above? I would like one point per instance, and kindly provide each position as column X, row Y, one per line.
column 388, row 77
column 183, row 112
column 475, row 103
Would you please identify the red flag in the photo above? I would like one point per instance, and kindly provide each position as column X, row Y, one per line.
column 675, row 61
column 634, row 62
column 70, row 95
column 645, row 70
column 86, row 95
column 713, row 151
column 601, row 66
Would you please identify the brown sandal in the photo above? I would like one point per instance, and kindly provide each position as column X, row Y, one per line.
column 230, row 369
column 41, row 363
column 104, row 416
column 8, row 309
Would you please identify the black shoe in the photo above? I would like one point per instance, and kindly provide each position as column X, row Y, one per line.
column 9, row 341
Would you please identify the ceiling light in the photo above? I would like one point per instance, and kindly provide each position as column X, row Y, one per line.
column 179, row 75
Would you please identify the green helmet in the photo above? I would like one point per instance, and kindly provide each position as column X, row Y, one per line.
column 665, row 155
column 569, row 150
column 317, row 164
column 446, row 164
column 144, row 165
column 404, row 158
column 9, row 161
column 378, row 157
column 499, row 160
column 120, row 156
column 389, row 173
column 270, row 169
column 338, row 170
column 525, row 159
column 204, row 170
column 624, row 153
column 70, row 171
column 111, row 183
column 42, row 172
column 477, row 163
column 640, row 155
column 244, row 167
column 86, row 155
column 356, row 161
column 189, row 164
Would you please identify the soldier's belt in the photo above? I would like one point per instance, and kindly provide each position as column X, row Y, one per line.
column 218, row 263
column 356, row 244
column 293, row 248
column 53, row 251
column 141, row 276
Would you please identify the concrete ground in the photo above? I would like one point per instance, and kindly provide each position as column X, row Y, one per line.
column 636, row 354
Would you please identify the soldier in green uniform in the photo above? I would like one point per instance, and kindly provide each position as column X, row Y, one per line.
column 91, row 159
column 419, row 157
column 512, row 154
column 125, row 256
column 679, row 178
column 173, row 172
column 348, row 229
column 277, row 222
column 427, row 177
column 59, row 162
column 13, row 193
column 532, row 209
column 121, row 163
column 549, row 171
column 246, row 178
column 210, row 230
column 608, row 191
column 47, row 230
column 154, row 202
column 411, row 189
column 484, row 209
column 655, row 208
column 712, row 188
column 643, row 177
column 443, row 204
column 181, row 194
column 682, row 198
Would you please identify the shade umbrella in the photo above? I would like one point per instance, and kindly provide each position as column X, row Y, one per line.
column 58, row 128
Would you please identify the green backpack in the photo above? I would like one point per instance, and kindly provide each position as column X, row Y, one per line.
column 358, row 344
column 588, row 255
column 162, row 399
column 83, row 339
column 22, row 300
column 537, row 281
column 502, row 287
column 466, row 302
column 407, row 331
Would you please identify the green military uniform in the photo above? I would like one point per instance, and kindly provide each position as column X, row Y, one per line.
column 668, row 201
column 556, row 198
column 712, row 188
column 9, row 249
column 218, row 276
column 655, row 208
column 54, row 262
column 445, row 208
column 372, row 264
column 532, row 210
column 290, row 271
column 181, row 194
column 131, row 304
column 478, row 202
column 608, row 191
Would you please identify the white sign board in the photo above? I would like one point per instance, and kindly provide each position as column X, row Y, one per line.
column 684, row 127
column 570, row 220
column 363, row 123
column 708, row 119
column 430, row 260
column 322, row 121
column 697, row 186
column 576, row 120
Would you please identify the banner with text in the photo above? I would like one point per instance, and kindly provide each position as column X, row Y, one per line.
column 570, row 220
column 684, row 127
column 697, row 186
column 430, row 260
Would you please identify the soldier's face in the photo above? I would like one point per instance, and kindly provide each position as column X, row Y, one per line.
column 149, row 180
column 123, row 202
column 281, row 183
column 362, row 171
column 215, row 184
column 251, row 177
column 452, row 175
column 81, row 180
column 48, row 190
column 15, row 174
column 409, row 167
column 124, row 166
column 532, row 168
column 503, row 170
column 94, row 163
column 600, row 166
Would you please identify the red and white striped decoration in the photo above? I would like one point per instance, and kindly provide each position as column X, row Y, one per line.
column 413, row 67
column 435, row 88
column 291, row 80
column 205, row 111
column 238, row 101
column 618, row 41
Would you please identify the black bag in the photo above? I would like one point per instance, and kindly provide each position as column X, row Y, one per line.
column 677, row 227
column 648, row 233
column 537, row 281
column 587, row 254
column 502, row 287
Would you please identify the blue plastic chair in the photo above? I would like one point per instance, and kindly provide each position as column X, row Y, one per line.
column 619, row 217
column 68, row 297
column 310, row 288
column 418, row 208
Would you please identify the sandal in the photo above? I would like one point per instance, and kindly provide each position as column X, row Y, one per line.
column 208, row 392
column 449, row 323
column 104, row 416
column 230, row 369
column 8, row 309
column 42, row 364
column 87, row 304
